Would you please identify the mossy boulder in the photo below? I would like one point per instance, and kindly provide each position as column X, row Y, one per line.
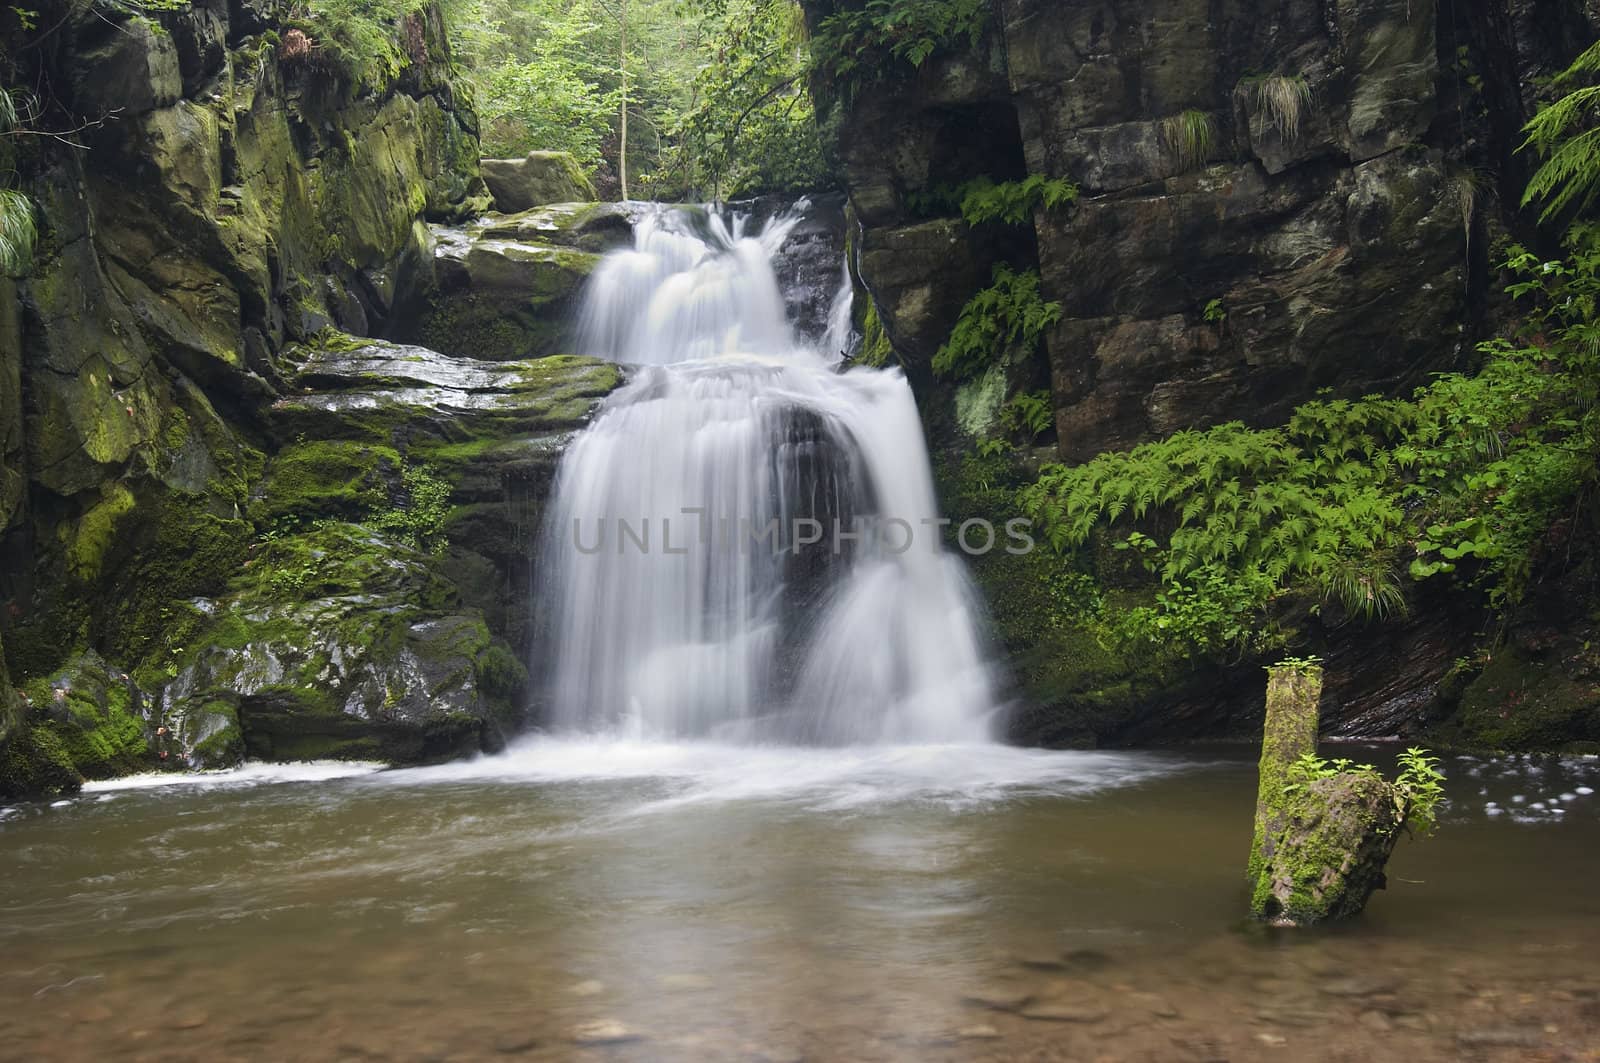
column 1526, row 701
column 376, row 391
column 494, row 297
column 96, row 715
column 336, row 641
column 595, row 227
column 1326, row 856
column 539, row 178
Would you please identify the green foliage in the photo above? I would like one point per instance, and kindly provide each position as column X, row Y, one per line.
column 18, row 231
column 876, row 350
column 982, row 200
column 1566, row 136
column 363, row 40
column 1420, row 787
column 1014, row 202
column 1310, row 768
column 1215, row 313
column 1001, row 322
column 1031, row 414
column 1470, row 473
column 750, row 126
column 1188, row 137
column 856, row 46
column 547, row 103
column 420, row 518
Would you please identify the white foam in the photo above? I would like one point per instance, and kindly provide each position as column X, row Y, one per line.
column 254, row 773
column 827, row 777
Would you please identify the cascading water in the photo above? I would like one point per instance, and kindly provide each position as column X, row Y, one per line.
column 744, row 545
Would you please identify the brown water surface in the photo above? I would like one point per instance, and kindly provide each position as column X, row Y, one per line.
column 620, row 901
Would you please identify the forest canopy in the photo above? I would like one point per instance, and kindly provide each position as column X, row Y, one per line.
column 666, row 99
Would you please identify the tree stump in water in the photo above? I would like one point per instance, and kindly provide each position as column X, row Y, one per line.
column 1320, row 844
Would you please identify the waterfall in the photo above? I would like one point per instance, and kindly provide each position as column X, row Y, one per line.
column 743, row 545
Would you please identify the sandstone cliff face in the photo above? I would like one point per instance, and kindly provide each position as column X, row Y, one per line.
column 1324, row 178
column 1331, row 206
column 192, row 502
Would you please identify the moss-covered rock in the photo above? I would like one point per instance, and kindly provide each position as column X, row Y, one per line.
column 335, row 641
column 1320, row 844
column 1327, row 858
column 539, row 178
column 96, row 715
column 594, row 227
column 384, row 392
column 1522, row 701
column 495, row 297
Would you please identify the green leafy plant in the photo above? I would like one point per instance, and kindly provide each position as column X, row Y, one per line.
column 856, row 46
column 1465, row 477
column 18, row 230
column 1420, row 786
column 1002, row 321
column 1566, row 136
column 1013, row 202
column 361, row 40
column 1031, row 414
column 420, row 519
column 1309, row 768
column 1188, row 137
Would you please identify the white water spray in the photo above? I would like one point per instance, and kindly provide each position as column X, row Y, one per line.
column 668, row 616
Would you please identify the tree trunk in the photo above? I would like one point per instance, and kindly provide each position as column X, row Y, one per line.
column 622, row 149
column 1293, row 696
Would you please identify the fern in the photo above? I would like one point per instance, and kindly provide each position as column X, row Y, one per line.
column 1029, row 415
column 1014, row 202
column 1564, row 134
column 998, row 323
column 1466, row 476
column 18, row 233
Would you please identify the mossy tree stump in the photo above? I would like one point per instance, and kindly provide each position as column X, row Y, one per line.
column 1320, row 845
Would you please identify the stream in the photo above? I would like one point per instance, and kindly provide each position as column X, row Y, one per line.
column 610, row 898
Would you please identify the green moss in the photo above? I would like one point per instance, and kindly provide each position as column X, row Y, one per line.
column 876, row 350
column 95, row 532
column 1517, row 704
column 326, row 480
column 33, row 763
column 1289, row 732
column 90, row 713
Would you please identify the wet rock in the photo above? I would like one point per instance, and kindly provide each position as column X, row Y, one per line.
column 490, row 296
column 998, row 999
column 516, row 1044
column 604, row 1032
column 1501, row 1037
column 594, row 227
column 1359, row 986
column 1062, row 1011
column 539, row 178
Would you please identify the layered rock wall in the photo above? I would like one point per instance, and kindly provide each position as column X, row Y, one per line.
column 1321, row 176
